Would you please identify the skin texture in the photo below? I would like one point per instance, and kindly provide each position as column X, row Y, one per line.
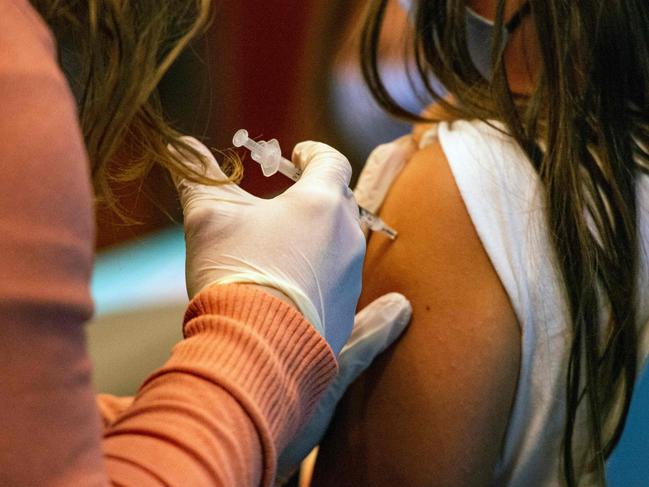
column 433, row 410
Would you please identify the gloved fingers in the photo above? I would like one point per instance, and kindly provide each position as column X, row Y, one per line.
column 208, row 166
column 381, row 169
column 322, row 164
column 189, row 191
column 376, row 327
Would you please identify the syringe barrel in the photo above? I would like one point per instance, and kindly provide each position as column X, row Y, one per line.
column 288, row 169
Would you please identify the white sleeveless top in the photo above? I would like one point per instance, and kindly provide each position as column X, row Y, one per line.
column 504, row 199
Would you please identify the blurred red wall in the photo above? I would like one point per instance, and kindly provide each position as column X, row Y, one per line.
column 261, row 47
column 245, row 73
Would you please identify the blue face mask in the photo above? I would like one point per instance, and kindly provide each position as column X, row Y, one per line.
column 480, row 34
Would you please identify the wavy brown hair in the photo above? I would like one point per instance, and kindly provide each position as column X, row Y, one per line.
column 119, row 51
column 590, row 110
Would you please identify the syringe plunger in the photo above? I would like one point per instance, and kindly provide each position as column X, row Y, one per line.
column 268, row 154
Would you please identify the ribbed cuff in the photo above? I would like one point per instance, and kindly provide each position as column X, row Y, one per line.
column 264, row 353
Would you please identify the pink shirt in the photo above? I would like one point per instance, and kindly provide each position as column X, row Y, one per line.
column 233, row 392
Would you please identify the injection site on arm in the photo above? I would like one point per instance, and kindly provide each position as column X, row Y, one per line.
column 269, row 156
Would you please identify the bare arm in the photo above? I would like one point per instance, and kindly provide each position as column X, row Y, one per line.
column 434, row 409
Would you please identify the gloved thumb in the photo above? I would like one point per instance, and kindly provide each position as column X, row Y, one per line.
column 375, row 328
column 322, row 164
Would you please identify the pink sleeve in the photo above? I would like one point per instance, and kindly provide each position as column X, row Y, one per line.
column 50, row 426
column 231, row 395
column 228, row 400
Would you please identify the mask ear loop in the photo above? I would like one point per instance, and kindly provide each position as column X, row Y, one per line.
column 515, row 22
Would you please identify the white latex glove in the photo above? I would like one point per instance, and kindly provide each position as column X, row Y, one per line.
column 375, row 328
column 381, row 169
column 306, row 242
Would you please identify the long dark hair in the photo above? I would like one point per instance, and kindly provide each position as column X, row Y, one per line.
column 589, row 109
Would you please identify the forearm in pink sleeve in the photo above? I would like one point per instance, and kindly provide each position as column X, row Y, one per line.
column 232, row 393
column 247, row 375
column 111, row 407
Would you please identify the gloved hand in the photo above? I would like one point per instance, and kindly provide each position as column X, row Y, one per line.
column 375, row 328
column 306, row 242
column 381, row 169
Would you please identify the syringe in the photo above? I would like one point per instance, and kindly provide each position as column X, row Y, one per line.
column 269, row 155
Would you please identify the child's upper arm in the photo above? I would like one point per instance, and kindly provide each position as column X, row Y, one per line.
column 434, row 409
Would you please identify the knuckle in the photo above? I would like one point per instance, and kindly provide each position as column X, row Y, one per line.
column 323, row 199
column 198, row 216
